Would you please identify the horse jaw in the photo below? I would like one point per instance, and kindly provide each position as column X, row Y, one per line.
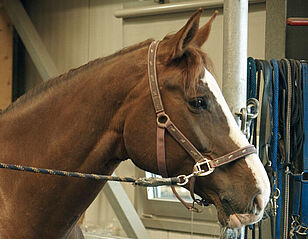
column 253, row 162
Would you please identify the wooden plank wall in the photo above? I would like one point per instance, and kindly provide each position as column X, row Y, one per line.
column 6, row 59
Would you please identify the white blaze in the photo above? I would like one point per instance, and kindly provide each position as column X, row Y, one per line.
column 253, row 161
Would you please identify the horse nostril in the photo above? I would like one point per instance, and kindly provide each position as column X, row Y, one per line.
column 256, row 204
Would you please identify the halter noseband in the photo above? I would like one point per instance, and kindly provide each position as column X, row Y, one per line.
column 203, row 166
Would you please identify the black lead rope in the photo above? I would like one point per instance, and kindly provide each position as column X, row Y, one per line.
column 266, row 106
column 266, row 123
column 297, row 125
column 145, row 182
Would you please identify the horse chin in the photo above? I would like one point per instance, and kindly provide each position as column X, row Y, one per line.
column 240, row 220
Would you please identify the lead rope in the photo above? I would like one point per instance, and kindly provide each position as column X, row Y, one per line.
column 276, row 180
column 145, row 182
column 287, row 175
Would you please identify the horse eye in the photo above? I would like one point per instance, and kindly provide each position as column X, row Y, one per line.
column 198, row 103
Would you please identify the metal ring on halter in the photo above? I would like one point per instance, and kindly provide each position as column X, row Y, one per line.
column 162, row 119
column 184, row 179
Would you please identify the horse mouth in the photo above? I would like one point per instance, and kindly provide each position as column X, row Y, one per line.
column 229, row 218
column 231, row 213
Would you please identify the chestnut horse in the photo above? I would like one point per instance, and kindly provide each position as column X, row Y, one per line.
column 94, row 117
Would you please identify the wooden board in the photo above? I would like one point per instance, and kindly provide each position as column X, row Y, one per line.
column 6, row 59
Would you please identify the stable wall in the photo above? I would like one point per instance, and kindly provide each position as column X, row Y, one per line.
column 76, row 31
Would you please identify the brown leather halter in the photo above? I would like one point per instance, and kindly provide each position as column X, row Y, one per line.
column 203, row 166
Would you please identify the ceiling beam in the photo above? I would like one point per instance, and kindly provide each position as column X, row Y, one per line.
column 31, row 39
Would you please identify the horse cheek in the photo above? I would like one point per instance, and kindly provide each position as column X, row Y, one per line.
column 140, row 139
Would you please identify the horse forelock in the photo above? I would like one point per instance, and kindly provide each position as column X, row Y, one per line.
column 195, row 60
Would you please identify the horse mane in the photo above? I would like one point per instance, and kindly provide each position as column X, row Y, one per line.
column 44, row 86
column 195, row 58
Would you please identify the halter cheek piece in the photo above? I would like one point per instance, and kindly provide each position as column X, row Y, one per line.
column 203, row 166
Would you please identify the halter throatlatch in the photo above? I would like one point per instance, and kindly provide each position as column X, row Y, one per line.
column 203, row 165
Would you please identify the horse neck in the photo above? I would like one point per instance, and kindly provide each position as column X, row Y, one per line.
column 76, row 125
column 77, row 118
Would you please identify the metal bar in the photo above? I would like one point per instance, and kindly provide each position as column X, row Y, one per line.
column 297, row 21
column 125, row 211
column 31, row 39
column 235, row 31
column 160, row 9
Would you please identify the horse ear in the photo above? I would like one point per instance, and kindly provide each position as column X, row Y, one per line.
column 176, row 44
column 204, row 32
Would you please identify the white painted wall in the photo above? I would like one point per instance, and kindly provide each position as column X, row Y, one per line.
column 76, row 31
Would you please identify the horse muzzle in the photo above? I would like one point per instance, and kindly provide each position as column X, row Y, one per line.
column 240, row 220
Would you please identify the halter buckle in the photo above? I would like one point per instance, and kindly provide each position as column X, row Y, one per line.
column 198, row 171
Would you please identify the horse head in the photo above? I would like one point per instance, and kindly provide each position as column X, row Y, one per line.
column 194, row 102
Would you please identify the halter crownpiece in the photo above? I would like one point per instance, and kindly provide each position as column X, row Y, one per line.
column 203, row 165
